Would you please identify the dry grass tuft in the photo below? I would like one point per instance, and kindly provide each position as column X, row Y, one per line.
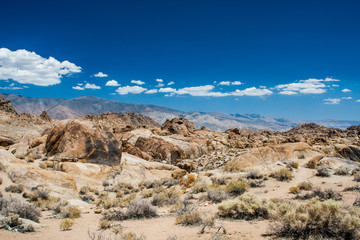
column 283, row 174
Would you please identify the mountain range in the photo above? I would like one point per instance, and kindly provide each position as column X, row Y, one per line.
column 59, row 108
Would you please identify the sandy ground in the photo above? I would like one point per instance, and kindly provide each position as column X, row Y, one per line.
column 164, row 226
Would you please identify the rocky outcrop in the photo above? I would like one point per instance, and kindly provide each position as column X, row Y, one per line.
column 179, row 126
column 75, row 139
column 6, row 106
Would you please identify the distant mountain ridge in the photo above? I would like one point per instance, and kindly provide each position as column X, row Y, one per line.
column 59, row 108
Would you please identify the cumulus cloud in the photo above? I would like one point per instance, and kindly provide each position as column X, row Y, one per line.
column 159, row 80
column 224, row 83
column 28, row 67
column 168, row 90
column 347, row 98
column 138, row 82
column 112, row 83
column 171, row 83
column 358, row 100
column 345, row 90
column 252, row 91
column 100, row 74
column 86, row 86
column 309, row 86
column 151, row 91
column 12, row 87
column 332, row 100
column 130, row 89
column 236, row 83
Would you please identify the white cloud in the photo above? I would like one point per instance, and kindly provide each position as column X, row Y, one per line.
column 200, row 91
column 347, row 98
column 167, row 90
column 345, row 90
column 160, row 85
column 236, row 83
column 224, row 83
column 100, row 74
column 86, row 86
column 27, row 67
column 335, row 85
column 309, row 86
column 138, row 82
column 11, row 87
column 78, row 88
column 253, row 91
column 159, row 80
column 358, row 100
column 171, row 83
column 151, row 91
column 288, row 93
column 91, row 86
column 332, row 100
column 130, row 89
column 112, row 83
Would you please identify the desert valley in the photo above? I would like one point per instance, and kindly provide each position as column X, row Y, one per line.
column 124, row 176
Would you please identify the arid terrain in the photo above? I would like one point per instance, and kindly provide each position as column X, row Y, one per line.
column 124, row 176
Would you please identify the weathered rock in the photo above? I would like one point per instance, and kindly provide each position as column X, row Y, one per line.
column 84, row 140
column 6, row 141
column 178, row 125
column 45, row 116
column 6, row 106
column 348, row 152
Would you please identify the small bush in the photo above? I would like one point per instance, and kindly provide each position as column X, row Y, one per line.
column 105, row 224
column 293, row 164
column 11, row 205
column 323, row 172
column 219, row 180
column 87, row 198
column 322, row 195
column 39, row 194
column 282, row 175
column 84, row 190
column 244, row 207
column 189, row 218
column 314, row 162
column 12, row 220
column 355, row 188
column 217, row 194
column 254, row 175
column 317, row 220
column 357, row 177
column 15, row 188
column 200, row 185
column 342, row 171
column 114, row 215
column 70, row 212
column 167, row 197
column 236, row 187
column 256, row 183
column 357, row 202
column 141, row 209
column 66, row 224
column 188, row 180
column 294, row 190
column 305, row 186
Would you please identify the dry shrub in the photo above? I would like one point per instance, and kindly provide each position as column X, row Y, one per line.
column 254, row 175
column 342, row 171
column 13, row 223
column 189, row 218
column 141, row 209
column 292, row 164
column 118, row 236
column 357, row 177
column 105, row 224
column 113, row 215
column 88, row 198
column 283, row 174
column 147, row 193
column 317, row 220
column 166, row 197
column 236, row 187
column 12, row 205
column 256, row 183
column 219, row 180
column 70, row 212
column 305, row 186
column 84, row 190
column 323, row 172
column 244, row 207
column 66, row 224
column 294, row 190
column 314, row 162
column 355, row 188
column 15, row 188
column 322, row 195
column 216, row 194
column 188, row 180
column 200, row 185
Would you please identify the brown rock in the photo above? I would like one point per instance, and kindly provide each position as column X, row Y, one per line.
column 178, row 125
column 6, row 106
column 85, row 140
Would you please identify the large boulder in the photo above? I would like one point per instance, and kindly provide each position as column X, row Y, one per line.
column 75, row 139
column 6, row 106
column 179, row 126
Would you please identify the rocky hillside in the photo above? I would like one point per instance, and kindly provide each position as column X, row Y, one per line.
column 70, row 108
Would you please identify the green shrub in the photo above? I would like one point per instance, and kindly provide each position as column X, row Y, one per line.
column 244, row 207
column 236, row 187
column 15, row 188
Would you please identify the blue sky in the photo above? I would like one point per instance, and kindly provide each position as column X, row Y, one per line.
column 294, row 59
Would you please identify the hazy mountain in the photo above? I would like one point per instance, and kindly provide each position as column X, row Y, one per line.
column 59, row 108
